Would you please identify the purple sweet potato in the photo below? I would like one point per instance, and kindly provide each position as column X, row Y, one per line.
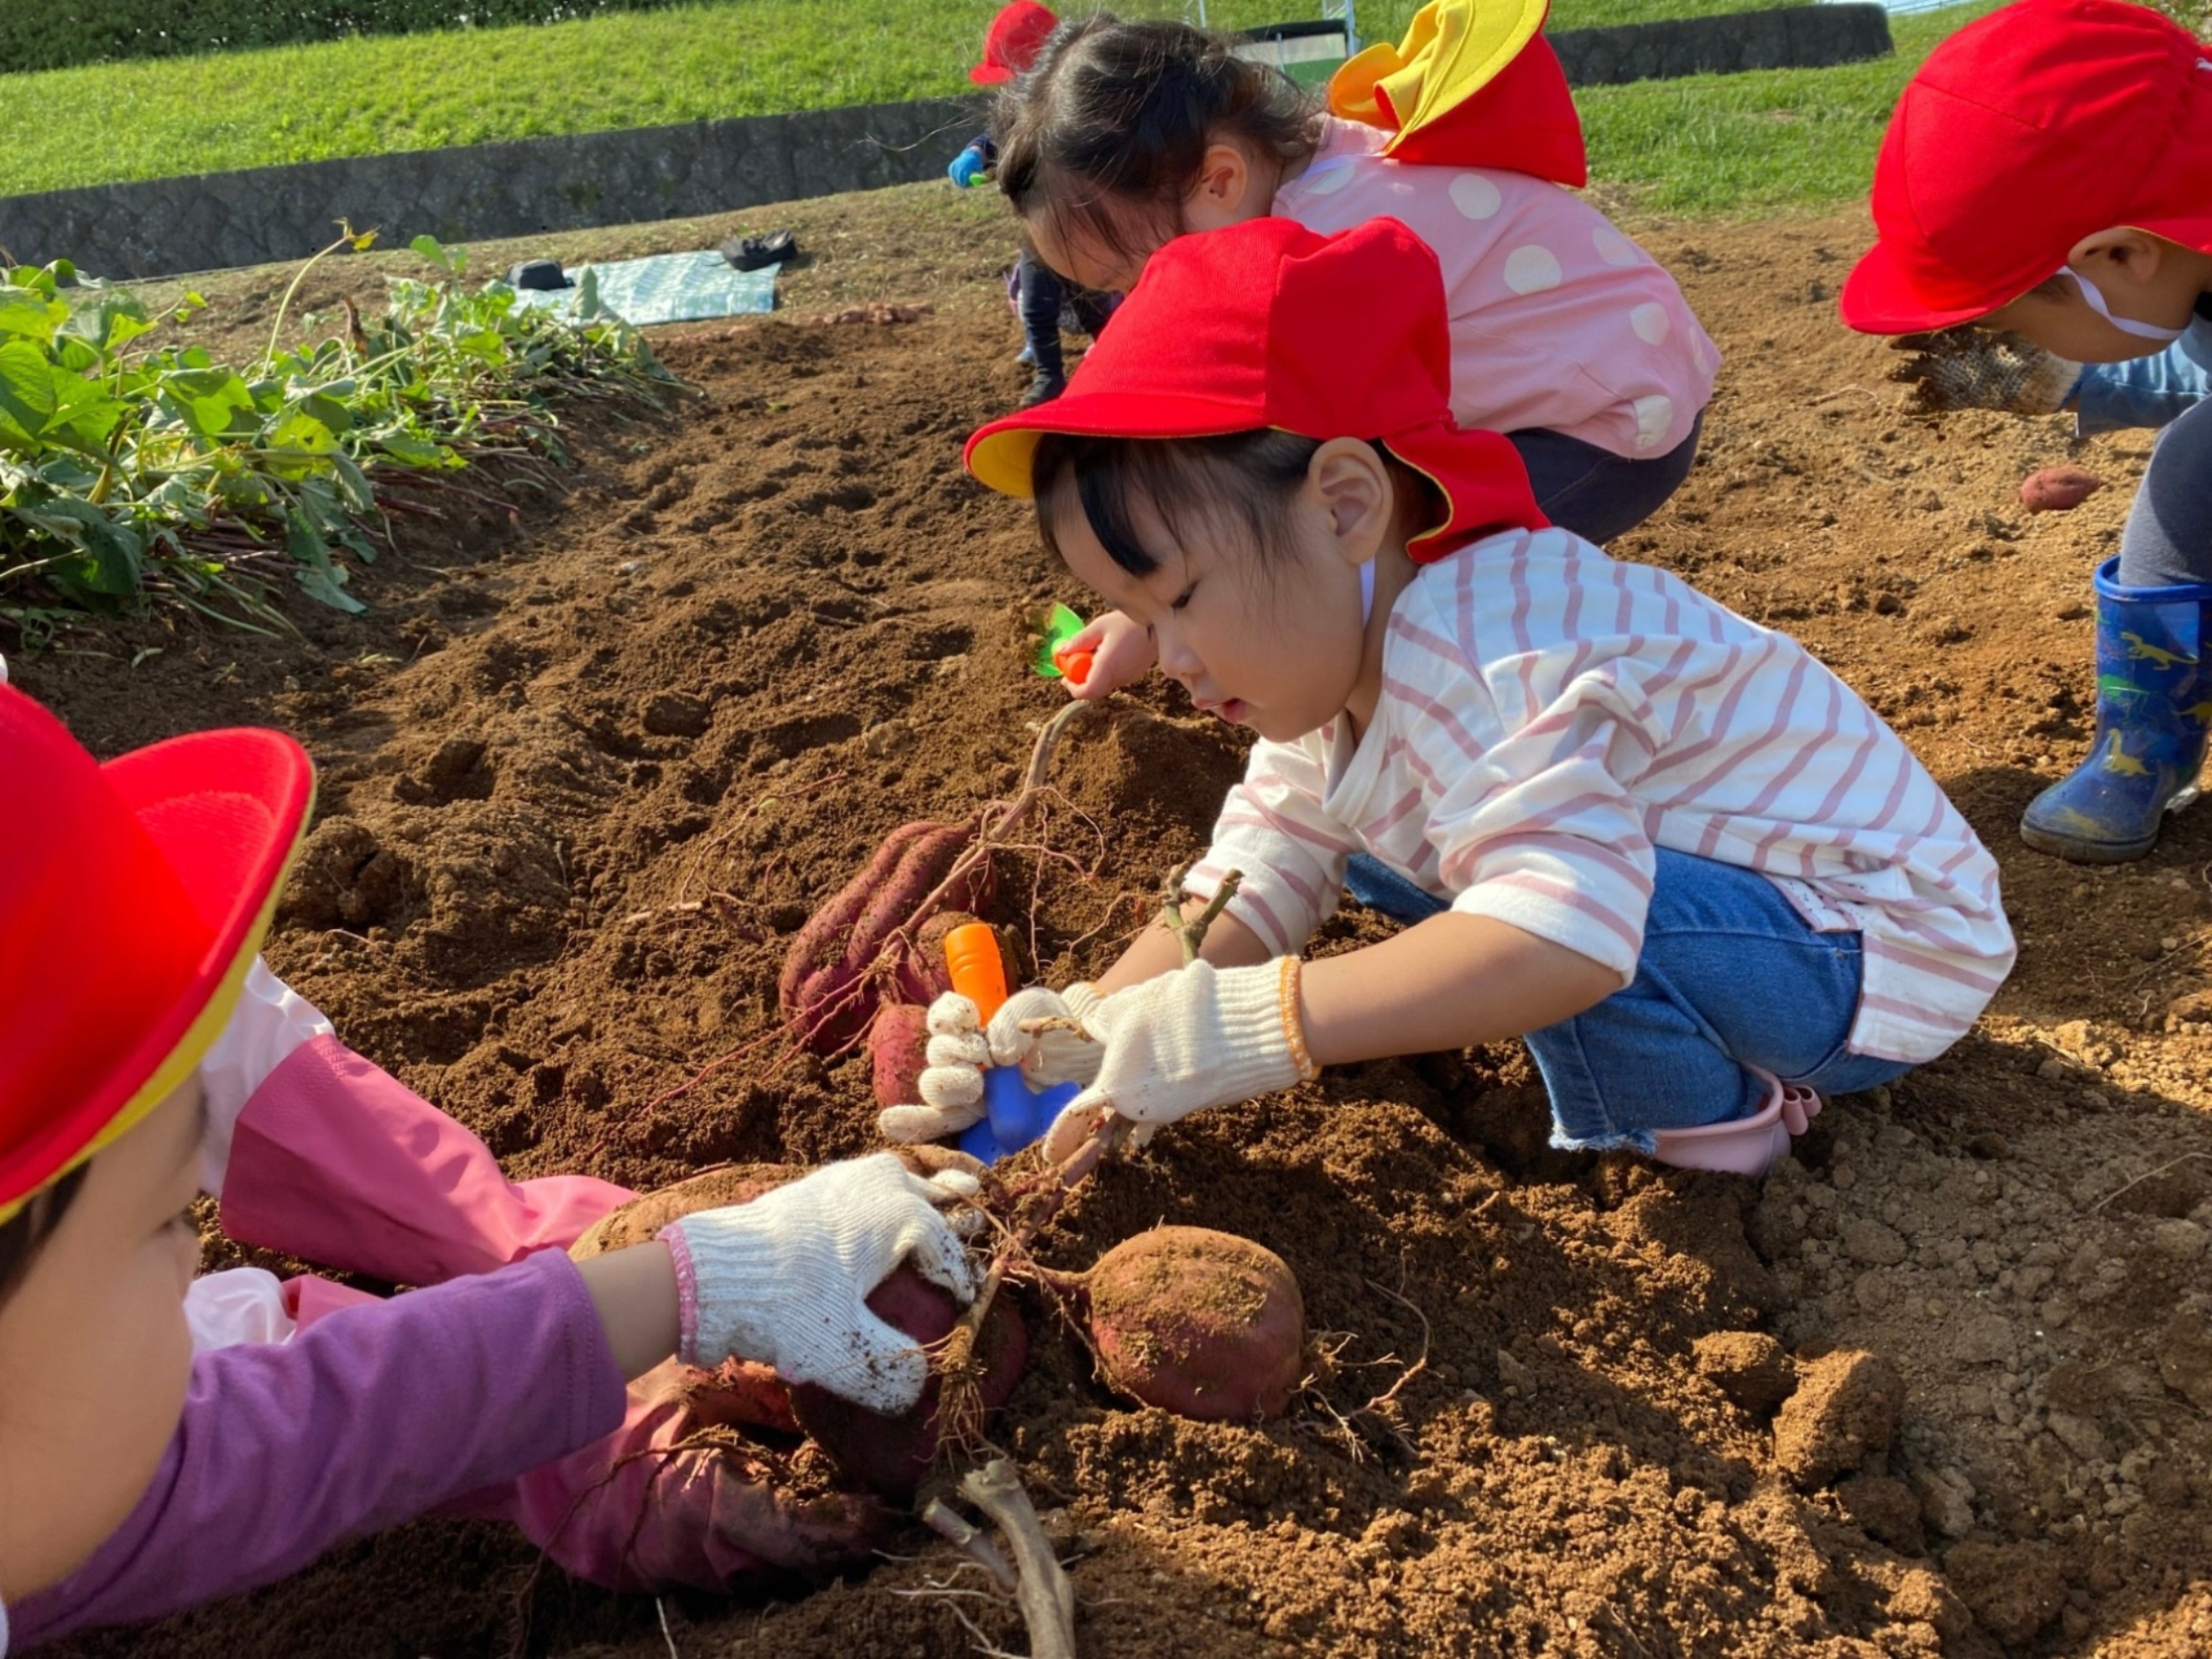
column 898, row 1041
column 835, row 973
column 2058, row 489
column 889, row 1455
column 1204, row 1324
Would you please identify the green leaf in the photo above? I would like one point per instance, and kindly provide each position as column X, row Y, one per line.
column 27, row 388
column 322, row 580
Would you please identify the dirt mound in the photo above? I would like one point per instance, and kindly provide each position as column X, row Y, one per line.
column 582, row 781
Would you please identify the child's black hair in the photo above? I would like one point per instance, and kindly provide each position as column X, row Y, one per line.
column 24, row 1234
column 1117, row 114
column 1251, row 475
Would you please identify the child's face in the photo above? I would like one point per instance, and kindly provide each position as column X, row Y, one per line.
column 1232, row 186
column 95, row 1354
column 2143, row 278
column 1270, row 640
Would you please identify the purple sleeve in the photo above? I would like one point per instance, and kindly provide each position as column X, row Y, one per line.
column 367, row 1418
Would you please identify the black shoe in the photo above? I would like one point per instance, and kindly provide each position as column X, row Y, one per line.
column 753, row 252
column 1042, row 390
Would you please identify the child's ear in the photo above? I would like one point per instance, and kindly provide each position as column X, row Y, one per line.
column 2121, row 254
column 1217, row 196
column 1352, row 484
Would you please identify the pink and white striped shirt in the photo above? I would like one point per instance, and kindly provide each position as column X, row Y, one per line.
column 1549, row 715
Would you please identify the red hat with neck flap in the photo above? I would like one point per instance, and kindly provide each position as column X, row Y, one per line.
column 1267, row 324
column 133, row 898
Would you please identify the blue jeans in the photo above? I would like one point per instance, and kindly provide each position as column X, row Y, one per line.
column 1731, row 977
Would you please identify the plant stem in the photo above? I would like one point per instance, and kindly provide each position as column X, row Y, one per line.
column 1042, row 1593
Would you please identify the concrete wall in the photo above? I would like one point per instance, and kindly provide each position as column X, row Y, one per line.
column 166, row 226
column 162, row 226
column 1793, row 37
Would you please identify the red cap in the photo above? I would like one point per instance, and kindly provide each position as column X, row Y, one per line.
column 2022, row 133
column 133, row 897
column 1267, row 325
column 1013, row 42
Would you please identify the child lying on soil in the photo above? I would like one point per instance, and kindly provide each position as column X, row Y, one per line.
column 1664, row 845
column 2107, row 109
column 164, row 1442
column 1565, row 335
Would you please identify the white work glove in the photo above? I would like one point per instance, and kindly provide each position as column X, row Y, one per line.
column 952, row 1083
column 785, row 1278
column 1975, row 369
column 1173, row 1045
column 270, row 1021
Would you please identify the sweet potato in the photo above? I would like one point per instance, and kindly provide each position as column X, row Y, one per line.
column 889, row 1455
column 1204, row 1324
column 2058, row 489
column 833, row 978
column 898, row 1041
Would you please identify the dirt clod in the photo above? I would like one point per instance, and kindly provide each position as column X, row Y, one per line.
column 1846, row 1408
column 2014, row 1590
column 1750, row 1367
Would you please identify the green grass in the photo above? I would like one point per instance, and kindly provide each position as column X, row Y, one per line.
column 1707, row 143
column 1711, row 144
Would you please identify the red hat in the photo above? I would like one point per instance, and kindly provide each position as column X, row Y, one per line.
column 1013, row 42
column 2040, row 125
column 1472, row 85
column 133, row 897
column 1267, row 325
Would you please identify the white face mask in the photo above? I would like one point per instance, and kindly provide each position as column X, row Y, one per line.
column 1366, row 592
column 2125, row 324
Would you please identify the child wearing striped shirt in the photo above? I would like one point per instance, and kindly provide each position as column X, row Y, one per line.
column 1565, row 335
column 1664, row 845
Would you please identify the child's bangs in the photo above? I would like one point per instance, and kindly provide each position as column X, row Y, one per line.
column 1191, row 488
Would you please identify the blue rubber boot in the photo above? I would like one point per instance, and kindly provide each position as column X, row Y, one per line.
column 2153, row 704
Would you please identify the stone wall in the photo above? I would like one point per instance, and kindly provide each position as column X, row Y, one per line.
column 166, row 226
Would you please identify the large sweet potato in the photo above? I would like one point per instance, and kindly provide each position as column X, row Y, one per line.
column 1201, row 1323
column 898, row 1053
column 885, row 1455
column 835, row 975
column 889, row 1455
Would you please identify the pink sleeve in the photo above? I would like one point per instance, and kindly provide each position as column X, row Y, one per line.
column 368, row 1418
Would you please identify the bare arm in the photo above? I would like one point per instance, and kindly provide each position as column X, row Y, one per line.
column 1446, row 983
column 1229, row 944
column 635, row 1291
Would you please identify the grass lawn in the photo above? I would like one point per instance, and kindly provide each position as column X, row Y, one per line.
column 1713, row 143
column 365, row 96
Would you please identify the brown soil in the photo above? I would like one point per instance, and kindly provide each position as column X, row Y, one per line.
column 583, row 778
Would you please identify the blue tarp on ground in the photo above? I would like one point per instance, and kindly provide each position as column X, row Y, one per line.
column 668, row 288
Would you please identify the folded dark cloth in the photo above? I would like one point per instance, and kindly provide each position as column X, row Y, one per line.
column 753, row 252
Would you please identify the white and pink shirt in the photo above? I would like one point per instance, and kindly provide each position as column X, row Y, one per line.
column 1549, row 715
column 1558, row 320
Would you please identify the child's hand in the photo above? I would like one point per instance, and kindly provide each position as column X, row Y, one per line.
column 1121, row 653
column 785, row 1279
column 1975, row 369
column 1183, row 1042
column 967, row 168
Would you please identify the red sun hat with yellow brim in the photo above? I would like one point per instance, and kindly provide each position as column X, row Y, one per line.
column 2040, row 125
column 1267, row 324
column 1474, row 84
column 1013, row 42
column 133, row 898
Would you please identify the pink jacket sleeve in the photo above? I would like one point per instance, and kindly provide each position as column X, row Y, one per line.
column 368, row 1418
